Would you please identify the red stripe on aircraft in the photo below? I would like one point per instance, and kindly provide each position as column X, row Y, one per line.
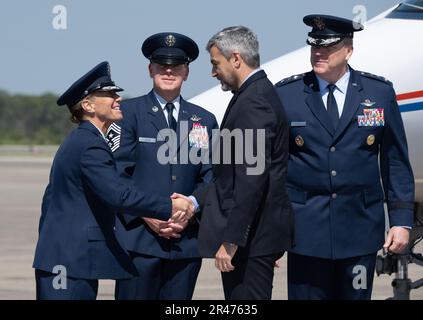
column 410, row 95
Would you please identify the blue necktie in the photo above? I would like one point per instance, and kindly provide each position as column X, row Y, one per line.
column 332, row 106
column 170, row 119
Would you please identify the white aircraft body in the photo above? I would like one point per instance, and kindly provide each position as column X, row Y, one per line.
column 391, row 46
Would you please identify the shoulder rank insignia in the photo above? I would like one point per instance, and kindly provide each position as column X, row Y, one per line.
column 373, row 76
column 290, row 79
column 113, row 137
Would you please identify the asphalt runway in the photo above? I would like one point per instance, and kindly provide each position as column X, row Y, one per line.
column 22, row 184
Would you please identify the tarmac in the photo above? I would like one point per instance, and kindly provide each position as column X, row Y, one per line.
column 22, row 184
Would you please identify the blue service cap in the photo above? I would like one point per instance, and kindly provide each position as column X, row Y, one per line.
column 329, row 30
column 97, row 79
column 170, row 48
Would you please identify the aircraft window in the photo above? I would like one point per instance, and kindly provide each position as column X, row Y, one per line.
column 412, row 9
column 411, row 6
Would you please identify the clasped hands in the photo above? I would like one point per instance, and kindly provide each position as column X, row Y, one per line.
column 183, row 211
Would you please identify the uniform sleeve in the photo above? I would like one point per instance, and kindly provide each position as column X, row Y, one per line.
column 100, row 175
column 250, row 181
column 397, row 175
column 45, row 205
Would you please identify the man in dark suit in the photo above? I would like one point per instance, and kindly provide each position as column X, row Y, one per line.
column 76, row 232
column 247, row 222
column 166, row 255
column 346, row 136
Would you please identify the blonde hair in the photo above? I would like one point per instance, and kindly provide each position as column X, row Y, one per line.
column 77, row 113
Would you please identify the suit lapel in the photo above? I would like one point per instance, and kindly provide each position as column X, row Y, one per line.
column 352, row 102
column 315, row 103
column 231, row 103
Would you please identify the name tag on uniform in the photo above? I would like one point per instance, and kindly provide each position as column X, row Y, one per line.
column 148, row 140
column 198, row 136
column 372, row 118
column 298, row 124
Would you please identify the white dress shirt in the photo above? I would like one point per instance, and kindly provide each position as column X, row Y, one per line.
column 340, row 91
column 176, row 102
column 101, row 132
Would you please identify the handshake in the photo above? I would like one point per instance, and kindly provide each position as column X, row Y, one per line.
column 183, row 210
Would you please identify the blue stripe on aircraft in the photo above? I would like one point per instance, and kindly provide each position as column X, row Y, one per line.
column 411, row 107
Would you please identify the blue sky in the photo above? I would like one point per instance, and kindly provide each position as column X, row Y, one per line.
column 36, row 58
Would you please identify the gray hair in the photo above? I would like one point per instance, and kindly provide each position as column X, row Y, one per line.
column 237, row 39
column 349, row 42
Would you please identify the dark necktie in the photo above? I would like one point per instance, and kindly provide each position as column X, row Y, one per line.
column 332, row 106
column 170, row 119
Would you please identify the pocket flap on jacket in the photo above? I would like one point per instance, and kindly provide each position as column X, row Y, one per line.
column 372, row 196
column 296, row 195
column 228, row 204
column 95, row 234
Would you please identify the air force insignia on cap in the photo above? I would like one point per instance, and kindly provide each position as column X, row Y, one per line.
column 170, row 40
column 319, row 23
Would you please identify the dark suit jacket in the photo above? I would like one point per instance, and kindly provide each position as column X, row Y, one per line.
column 334, row 177
column 136, row 157
column 78, row 211
column 252, row 211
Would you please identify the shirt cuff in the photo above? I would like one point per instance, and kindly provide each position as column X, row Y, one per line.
column 196, row 205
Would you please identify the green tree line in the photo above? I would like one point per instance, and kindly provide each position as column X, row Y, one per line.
column 32, row 120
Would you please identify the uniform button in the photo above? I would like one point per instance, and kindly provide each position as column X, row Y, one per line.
column 173, row 178
column 334, row 196
column 333, row 173
column 114, row 228
column 332, row 149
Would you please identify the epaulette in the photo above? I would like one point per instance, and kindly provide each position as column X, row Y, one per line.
column 290, row 79
column 373, row 76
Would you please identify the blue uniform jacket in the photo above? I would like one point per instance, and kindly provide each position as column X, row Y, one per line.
column 136, row 156
column 335, row 181
column 77, row 222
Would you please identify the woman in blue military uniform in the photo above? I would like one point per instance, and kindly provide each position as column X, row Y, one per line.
column 76, row 230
